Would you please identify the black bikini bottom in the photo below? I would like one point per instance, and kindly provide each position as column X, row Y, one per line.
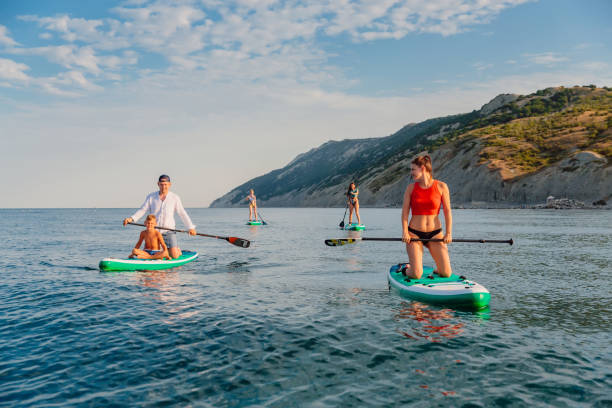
column 424, row 234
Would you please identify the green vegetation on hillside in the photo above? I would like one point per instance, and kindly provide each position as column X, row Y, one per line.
column 524, row 136
column 569, row 119
column 540, row 129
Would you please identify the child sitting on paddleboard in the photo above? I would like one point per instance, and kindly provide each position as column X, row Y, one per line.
column 155, row 247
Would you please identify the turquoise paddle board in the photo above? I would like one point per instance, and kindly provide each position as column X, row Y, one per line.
column 355, row 227
column 134, row 264
column 454, row 291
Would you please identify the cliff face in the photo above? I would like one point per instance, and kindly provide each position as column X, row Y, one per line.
column 516, row 150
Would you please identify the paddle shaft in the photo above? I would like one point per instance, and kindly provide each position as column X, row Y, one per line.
column 232, row 240
column 344, row 216
column 261, row 218
column 481, row 241
column 342, row 241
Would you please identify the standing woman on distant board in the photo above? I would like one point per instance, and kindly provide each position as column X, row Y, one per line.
column 423, row 198
column 252, row 205
column 353, row 202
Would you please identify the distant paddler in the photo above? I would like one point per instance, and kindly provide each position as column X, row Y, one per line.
column 424, row 198
column 352, row 196
column 163, row 204
column 252, row 205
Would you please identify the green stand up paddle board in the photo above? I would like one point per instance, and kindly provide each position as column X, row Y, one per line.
column 454, row 291
column 355, row 227
column 134, row 264
column 253, row 222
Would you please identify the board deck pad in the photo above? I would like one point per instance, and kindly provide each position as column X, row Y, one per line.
column 431, row 288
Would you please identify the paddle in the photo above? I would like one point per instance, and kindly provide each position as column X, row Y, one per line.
column 244, row 243
column 344, row 241
column 341, row 225
column 262, row 220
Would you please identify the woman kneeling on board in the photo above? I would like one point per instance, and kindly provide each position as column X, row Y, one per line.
column 423, row 198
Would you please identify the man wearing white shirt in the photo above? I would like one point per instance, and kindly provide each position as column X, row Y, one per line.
column 163, row 204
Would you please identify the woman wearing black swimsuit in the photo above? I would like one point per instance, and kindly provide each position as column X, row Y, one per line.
column 424, row 198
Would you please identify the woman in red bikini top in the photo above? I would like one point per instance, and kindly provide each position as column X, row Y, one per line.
column 424, row 198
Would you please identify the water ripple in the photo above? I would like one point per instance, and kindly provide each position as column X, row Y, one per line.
column 302, row 325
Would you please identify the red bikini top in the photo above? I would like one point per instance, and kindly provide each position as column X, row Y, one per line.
column 425, row 201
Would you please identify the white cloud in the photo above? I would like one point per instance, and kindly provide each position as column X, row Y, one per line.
column 222, row 38
column 5, row 39
column 545, row 58
column 67, row 56
column 12, row 70
column 76, row 78
column 71, row 29
column 596, row 66
column 482, row 66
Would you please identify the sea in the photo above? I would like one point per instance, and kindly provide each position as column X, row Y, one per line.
column 291, row 322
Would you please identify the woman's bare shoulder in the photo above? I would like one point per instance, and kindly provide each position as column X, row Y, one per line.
column 442, row 186
column 409, row 189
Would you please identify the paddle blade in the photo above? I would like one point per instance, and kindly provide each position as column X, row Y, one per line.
column 341, row 225
column 244, row 243
column 340, row 242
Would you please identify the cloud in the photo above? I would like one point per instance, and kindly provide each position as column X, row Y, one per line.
column 366, row 20
column 67, row 56
column 219, row 39
column 545, row 58
column 12, row 70
column 71, row 29
column 5, row 39
column 596, row 66
column 482, row 66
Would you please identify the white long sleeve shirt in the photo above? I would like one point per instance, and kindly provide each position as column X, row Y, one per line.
column 164, row 210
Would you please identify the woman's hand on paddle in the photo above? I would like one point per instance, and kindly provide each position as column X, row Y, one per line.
column 448, row 238
column 127, row 221
column 406, row 236
column 192, row 231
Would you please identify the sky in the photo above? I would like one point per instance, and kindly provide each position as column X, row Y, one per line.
column 97, row 99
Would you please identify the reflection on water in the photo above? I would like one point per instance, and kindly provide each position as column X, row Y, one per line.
column 435, row 325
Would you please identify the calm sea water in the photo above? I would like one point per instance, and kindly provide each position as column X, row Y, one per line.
column 290, row 322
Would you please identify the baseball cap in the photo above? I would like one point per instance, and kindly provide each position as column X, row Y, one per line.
column 164, row 177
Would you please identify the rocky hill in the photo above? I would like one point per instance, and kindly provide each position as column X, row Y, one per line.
column 516, row 150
